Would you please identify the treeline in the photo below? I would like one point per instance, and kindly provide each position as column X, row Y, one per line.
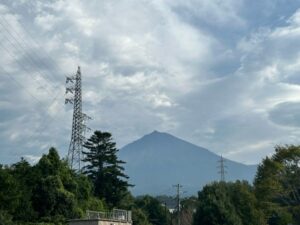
column 49, row 192
column 274, row 198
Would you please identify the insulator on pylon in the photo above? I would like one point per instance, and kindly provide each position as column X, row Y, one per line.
column 69, row 100
column 69, row 89
column 86, row 117
column 69, row 79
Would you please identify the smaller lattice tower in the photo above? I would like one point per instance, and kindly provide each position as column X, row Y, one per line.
column 222, row 168
column 73, row 88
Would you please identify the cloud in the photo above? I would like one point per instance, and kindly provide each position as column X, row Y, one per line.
column 32, row 158
column 221, row 74
column 286, row 114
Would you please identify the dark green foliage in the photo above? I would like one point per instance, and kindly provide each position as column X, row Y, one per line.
column 139, row 217
column 47, row 192
column 188, row 207
column 9, row 191
column 5, row 218
column 156, row 213
column 104, row 168
column 50, row 192
column 25, row 176
column 215, row 207
column 277, row 185
column 228, row 203
column 245, row 203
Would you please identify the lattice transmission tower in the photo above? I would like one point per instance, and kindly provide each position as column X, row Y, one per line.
column 73, row 87
column 222, row 168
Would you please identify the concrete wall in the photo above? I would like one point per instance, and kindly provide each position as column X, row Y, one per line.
column 97, row 222
column 113, row 223
column 84, row 222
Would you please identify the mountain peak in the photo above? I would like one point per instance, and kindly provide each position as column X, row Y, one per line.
column 154, row 132
column 165, row 159
column 158, row 135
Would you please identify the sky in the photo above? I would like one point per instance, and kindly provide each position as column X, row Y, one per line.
column 220, row 74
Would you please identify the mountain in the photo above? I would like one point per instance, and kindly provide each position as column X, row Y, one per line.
column 159, row 160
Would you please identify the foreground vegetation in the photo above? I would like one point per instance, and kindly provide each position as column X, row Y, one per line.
column 274, row 199
column 49, row 192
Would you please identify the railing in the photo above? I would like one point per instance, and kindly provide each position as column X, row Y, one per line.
column 116, row 214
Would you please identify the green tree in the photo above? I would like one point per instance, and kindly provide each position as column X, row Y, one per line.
column 46, row 192
column 215, row 207
column 139, row 217
column 277, row 185
column 246, row 205
column 9, row 191
column 23, row 173
column 228, row 203
column 59, row 192
column 155, row 211
column 104, row 168
column 5, row 218
column 188, row 207
column 54, row 196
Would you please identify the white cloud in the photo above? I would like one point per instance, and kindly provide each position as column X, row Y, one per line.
column 32, row 158
column 46, row 21
column 165, row 65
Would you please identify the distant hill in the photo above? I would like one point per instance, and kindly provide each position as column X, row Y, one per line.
column 158, row 160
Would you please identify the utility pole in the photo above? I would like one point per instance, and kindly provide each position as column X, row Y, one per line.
column 166, row 215
column 178, row 186
column 73, row 86
column 222, row 167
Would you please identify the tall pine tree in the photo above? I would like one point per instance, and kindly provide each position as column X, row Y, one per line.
column 104, row 168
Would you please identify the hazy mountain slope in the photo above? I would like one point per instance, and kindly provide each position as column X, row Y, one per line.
column 158, row 160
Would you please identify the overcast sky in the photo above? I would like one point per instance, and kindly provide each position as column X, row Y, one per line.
column 224, row 75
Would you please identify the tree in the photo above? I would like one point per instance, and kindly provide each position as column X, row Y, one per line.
column 215, row 207
column 245, row 203
column 139, row 217
column 155, row 211
column 228, row 203
column 277, row 185
column 104, row 168
column 46, row 192
column 54, row 195
column 24, row 174
column 9, row 191
column 5, row 218
column 188, row 207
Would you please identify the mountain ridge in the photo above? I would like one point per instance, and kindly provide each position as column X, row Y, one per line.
column 159, row 159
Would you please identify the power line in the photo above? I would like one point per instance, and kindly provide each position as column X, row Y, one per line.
column 28, row 45
column 22, row 66
column 22, row 40
column 29, row 59
column 21, row 85
column 46, row 122
column 19, row 45
column 19, row 40
column 31, row 38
